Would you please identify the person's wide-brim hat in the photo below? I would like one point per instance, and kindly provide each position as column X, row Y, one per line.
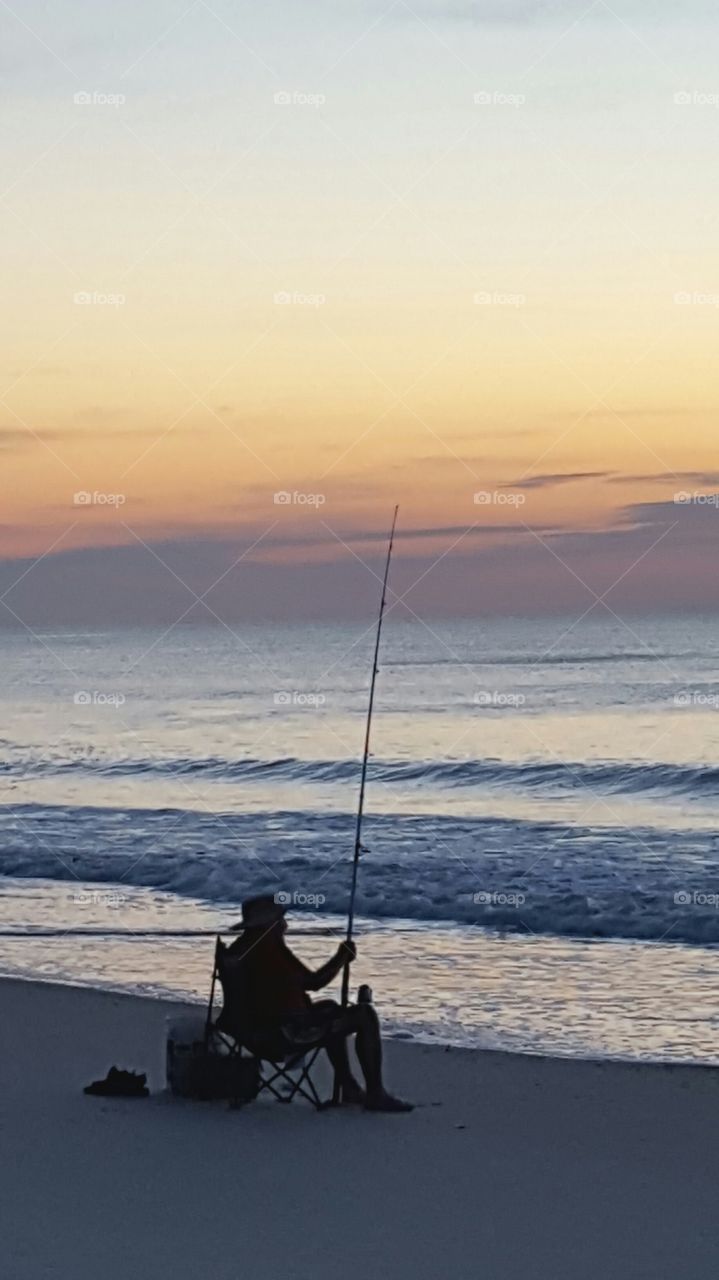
column 258, row 913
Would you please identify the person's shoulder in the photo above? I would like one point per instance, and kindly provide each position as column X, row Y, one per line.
column 239, row 948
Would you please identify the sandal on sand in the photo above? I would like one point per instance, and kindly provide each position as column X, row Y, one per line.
column 120, row 1084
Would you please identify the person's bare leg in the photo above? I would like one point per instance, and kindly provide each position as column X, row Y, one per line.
column 368, row 1046
column 361, row 1021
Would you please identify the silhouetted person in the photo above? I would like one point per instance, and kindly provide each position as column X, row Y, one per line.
column 275, row 986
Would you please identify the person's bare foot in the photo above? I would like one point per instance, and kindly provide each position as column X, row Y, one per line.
column 386, row 1102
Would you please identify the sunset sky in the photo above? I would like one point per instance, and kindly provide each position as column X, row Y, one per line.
column 460, row 256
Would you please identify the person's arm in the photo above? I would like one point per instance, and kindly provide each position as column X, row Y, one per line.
column 345, row 954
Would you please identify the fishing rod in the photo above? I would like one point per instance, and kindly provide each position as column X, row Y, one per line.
column 365, row 758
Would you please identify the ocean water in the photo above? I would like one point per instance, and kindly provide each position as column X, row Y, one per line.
column 541, row 801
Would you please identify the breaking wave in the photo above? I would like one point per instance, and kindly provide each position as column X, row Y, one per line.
column 515, row 876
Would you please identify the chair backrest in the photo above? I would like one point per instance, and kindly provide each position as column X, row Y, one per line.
column 236, row 1019
column 232, row 976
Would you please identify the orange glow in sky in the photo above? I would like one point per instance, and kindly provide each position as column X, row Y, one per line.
column 355, row 262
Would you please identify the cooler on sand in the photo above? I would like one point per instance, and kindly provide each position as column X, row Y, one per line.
column 205, row 1071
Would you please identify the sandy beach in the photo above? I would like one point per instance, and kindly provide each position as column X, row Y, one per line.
column 510, row 1167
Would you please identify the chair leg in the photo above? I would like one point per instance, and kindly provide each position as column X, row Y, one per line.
column 306, row 1085
column 303, row 1085
column 268, row 1082
column 310, row 1092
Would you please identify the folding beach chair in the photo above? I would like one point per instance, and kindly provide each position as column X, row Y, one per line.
column 283, row 1067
